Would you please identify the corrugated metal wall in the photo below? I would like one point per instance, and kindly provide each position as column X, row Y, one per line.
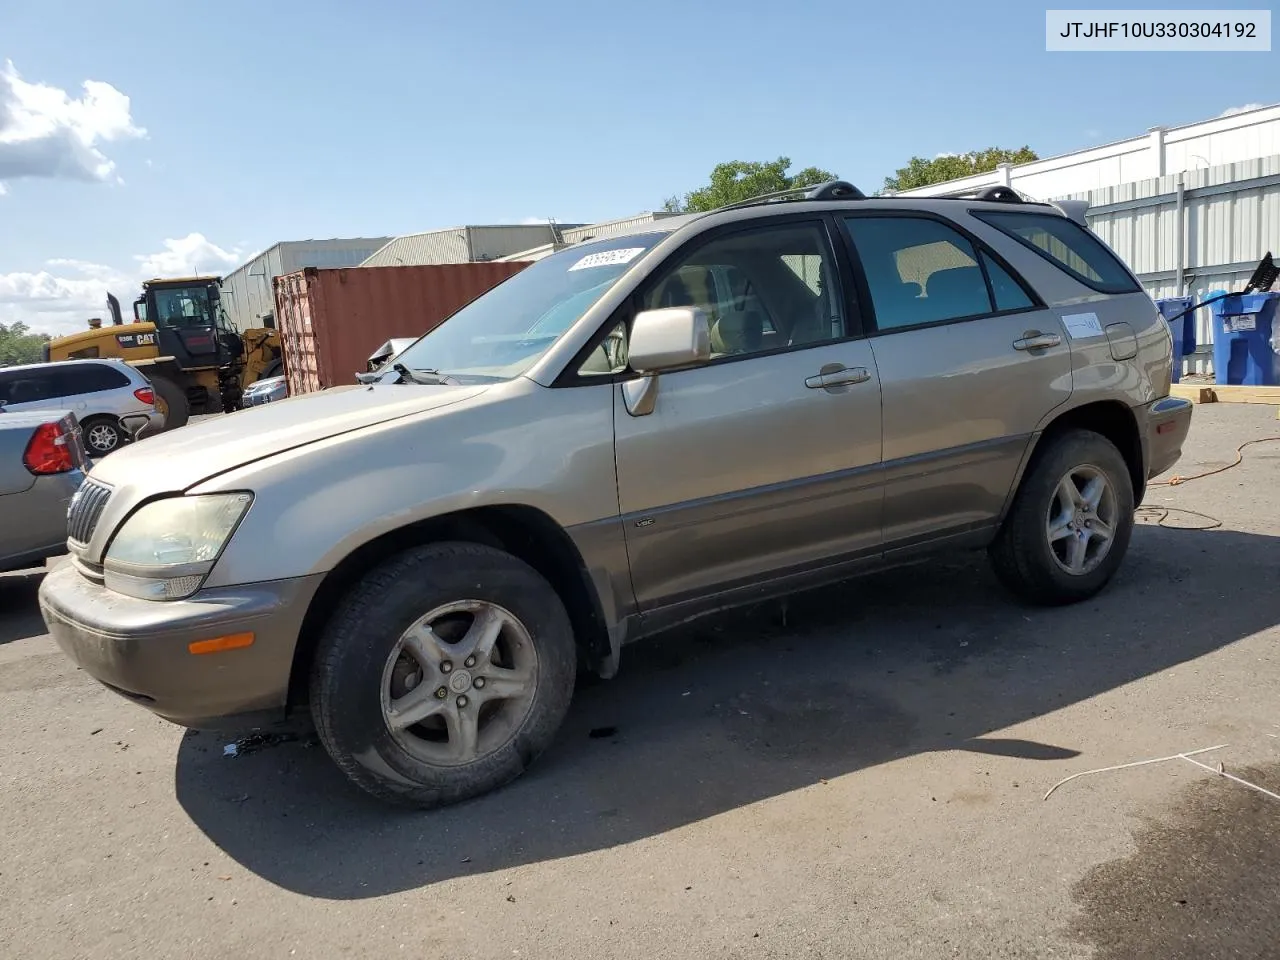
column 491, row 242
column 592, row 231
column 1160, row 151
column 1230, row 218
column 247, row 293
column 331, row 320
column 460, row 245
column 438, row 246
column 611, row 228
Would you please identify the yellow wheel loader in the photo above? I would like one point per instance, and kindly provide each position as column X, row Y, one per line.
column 181, row 341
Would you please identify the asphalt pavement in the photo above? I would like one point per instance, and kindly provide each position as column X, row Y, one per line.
column 860, row 773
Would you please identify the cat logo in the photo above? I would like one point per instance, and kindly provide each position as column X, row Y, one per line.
column 126, row 340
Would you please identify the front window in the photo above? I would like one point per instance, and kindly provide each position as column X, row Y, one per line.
column 503, row 333
column 179, row 307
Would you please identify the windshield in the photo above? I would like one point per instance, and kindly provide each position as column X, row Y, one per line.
column 182, row 307
column 502, row 334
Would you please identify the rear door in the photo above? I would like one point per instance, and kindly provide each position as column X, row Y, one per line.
column 763, row 462
column 971, row 362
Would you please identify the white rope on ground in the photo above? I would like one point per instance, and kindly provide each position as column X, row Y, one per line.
column 1222, row 773
column 1126, row 766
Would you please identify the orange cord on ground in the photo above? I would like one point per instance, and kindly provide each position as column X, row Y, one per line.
column 1175, row 480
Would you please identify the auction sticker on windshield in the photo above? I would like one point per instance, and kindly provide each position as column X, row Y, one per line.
column 608, row 258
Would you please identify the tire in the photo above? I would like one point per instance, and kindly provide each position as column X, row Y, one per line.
column 102, row 435
column 174, row 399
column 273, row 370
column 1037, row 568
column 361, row 674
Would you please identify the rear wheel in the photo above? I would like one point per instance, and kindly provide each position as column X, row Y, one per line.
column 1070, row 523
column 171, row 401
column 102, row 435
column 443, row 674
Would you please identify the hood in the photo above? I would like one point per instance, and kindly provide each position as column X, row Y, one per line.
column 182, row 458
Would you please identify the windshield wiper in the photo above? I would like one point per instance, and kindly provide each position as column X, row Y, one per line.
column 422, row 376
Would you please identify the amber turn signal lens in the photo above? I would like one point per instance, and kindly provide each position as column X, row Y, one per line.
column 216, row 645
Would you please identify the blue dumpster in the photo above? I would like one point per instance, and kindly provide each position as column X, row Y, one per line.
column 1243, row 351
column 1183, row 329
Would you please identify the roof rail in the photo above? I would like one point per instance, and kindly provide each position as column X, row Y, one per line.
column 997, row 193
column 831, row 190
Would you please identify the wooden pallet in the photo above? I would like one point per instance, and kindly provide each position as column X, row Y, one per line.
column 1223, row 393
column 1195, row 392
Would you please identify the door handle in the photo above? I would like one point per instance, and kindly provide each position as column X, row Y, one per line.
column 1037, row 341
column 836, row 378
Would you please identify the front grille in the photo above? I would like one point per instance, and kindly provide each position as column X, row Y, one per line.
column 86, row 508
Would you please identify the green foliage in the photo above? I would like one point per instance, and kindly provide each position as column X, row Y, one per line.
column 741, row 180
column 19, row 345
column 920, row 172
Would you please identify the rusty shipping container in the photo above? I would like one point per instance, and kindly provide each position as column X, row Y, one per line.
column 330, row 320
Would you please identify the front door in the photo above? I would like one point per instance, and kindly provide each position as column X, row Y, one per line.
column 764, row 461
column 971, row 363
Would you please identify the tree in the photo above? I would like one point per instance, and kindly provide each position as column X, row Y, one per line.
column 920, row 172
column 743, row 179
column 19, row 345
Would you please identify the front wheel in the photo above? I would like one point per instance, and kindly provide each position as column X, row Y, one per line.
column 443, row 674
column 1070, row 523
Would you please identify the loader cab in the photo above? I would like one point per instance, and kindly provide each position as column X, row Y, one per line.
column 190, row 325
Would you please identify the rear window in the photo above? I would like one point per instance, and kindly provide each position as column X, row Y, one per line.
column 1065, row 244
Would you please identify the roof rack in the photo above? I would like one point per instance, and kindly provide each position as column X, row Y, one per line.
column 831, row 190
column 998, row 193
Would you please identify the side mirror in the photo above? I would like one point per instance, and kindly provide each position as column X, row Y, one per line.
column 215, row 294
column 663, row 340
column 668, row 338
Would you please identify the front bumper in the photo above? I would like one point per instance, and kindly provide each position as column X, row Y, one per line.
column 138, row 648
column 1164, row 425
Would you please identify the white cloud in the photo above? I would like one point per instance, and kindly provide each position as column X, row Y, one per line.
column 190, row 255
column 1243, row 108
column 61, row 298
column 45, row 132
column 60, row 304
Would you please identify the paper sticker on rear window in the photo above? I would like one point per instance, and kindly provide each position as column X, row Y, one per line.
column 608, row 258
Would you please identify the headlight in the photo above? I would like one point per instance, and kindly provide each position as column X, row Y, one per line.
column 166, row 549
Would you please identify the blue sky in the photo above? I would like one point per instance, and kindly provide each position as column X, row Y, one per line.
column 288, row 120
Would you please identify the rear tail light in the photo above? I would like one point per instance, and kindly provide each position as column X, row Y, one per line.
column 50, row 450
column 146, row 395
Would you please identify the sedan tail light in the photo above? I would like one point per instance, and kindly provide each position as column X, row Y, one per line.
column 51, row 449
column 146, row 395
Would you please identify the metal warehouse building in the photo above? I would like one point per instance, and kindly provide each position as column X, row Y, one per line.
column 247, row 295
column 1191, row 209
column 464, row 244
column 591, row 231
